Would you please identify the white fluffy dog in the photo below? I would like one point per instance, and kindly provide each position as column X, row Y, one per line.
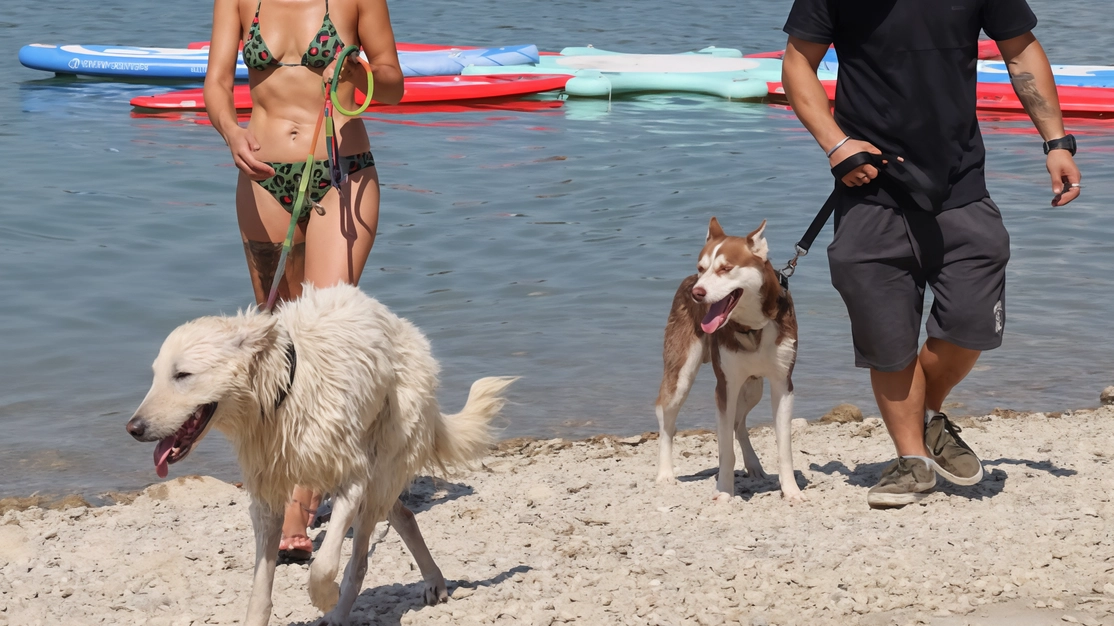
column 333, row 392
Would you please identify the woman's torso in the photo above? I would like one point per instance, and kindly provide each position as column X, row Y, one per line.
column 287, row 100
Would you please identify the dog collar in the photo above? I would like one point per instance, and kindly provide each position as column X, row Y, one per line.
column 292, row 358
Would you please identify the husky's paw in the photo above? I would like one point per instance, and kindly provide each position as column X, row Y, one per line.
column 324, row 594
column 755, row 470
column 436, row 592
column 723, row 496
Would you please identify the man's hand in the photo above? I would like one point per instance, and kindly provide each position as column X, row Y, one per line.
column 1065, row 176
column 860, row 175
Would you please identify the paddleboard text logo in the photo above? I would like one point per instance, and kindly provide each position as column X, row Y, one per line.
column 108, row 65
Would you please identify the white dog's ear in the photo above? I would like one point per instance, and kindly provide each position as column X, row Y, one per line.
column 758, row 243
column 253, row 332
column 714, row 230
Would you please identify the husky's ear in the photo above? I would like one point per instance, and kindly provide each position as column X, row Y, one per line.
column 714, row 230
column 252, row 332
column 758, row 243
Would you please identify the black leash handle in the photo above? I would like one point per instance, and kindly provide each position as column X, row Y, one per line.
column 911, row 179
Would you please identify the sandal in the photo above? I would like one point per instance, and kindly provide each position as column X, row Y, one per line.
column 295, row 549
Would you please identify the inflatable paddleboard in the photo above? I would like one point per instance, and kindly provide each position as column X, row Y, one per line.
column 1067, row 75
column 988, row 49
column 120, row 61
column 400, row 46
column 190, row 64
column 720, row 72
column 451, row 62
column 1074, row 101
column 996, row 72
column 418, row 89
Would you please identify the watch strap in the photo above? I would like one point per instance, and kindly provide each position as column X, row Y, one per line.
column 1067, row 142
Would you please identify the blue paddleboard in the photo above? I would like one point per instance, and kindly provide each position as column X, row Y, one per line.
column 995, row 72
column 187, row 64
column 120, row 61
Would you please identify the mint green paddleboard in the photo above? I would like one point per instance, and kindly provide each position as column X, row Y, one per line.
column 598, row 73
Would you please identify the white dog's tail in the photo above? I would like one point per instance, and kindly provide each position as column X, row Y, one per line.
column 466, row 436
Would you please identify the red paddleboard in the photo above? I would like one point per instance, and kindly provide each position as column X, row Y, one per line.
column 988, row 50
column 1074, row 101
column 418, row 89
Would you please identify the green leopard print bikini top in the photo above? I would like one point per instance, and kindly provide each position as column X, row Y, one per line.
column 321, row 50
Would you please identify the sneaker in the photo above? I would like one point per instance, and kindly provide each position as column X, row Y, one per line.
column 907, row 480
column 955, row 461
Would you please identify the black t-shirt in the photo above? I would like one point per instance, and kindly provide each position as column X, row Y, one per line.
column 907, row 79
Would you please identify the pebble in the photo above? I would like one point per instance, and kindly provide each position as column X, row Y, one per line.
column 843, row 414
column 1107, row 396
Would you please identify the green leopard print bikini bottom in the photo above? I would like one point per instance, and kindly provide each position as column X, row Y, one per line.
column 288, row 176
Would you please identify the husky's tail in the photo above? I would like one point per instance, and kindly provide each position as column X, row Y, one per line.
column 466, row 436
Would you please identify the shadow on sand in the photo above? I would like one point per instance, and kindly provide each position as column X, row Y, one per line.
column 866, row 475
column 745, row 486
column 385, row 605
column 425, row 493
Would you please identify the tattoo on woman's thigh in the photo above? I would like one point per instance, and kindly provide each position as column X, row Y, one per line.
column 263, row 258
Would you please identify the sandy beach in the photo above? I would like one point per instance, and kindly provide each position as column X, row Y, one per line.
column 553, row 531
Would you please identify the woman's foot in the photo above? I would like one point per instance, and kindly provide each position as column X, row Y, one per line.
column 295, row 549
column 295, row 545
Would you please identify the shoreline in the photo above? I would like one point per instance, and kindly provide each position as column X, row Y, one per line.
column 557, row 531
column 845, row 412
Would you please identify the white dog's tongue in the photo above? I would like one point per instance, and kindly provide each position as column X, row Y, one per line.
column 162, row 451
column 716, row 317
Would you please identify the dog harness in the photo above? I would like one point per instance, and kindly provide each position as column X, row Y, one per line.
column 292, row 358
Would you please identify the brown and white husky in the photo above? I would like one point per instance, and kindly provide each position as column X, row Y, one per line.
column 734, row 313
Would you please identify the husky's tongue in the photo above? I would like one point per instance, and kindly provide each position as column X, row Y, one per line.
column 717, row 315
column 162, row 451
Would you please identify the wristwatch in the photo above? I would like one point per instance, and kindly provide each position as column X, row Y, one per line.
column 1067, row 142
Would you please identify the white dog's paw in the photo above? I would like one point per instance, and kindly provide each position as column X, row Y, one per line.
column 436, row 592
column 723, row 496
column 666, row 477
column 324, row 594
column 794, row 496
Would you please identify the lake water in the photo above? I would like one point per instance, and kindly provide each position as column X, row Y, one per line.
column 545, row 244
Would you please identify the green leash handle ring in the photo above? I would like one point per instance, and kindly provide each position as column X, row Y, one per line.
column 336, row 79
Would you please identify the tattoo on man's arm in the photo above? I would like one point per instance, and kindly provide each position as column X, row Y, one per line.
column 1025, row 84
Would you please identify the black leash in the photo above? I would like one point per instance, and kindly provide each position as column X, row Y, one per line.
column 912, row 181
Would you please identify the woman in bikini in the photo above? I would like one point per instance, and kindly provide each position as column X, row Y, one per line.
column 289, row 48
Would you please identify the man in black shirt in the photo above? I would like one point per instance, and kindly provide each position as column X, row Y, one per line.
column 906, row 87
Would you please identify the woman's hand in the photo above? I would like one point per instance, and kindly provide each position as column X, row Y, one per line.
column 351, row 71
column 352, row 74
column 244, row 146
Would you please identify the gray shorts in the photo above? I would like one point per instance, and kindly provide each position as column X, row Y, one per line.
column 882, row 258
